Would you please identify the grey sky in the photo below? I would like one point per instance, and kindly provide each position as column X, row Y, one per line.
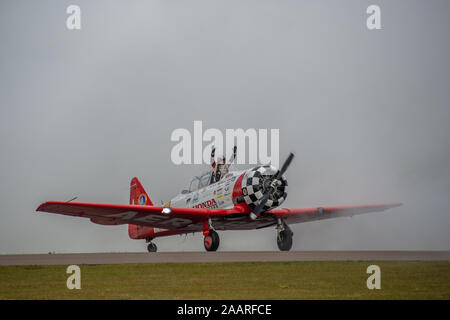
column 365, row 112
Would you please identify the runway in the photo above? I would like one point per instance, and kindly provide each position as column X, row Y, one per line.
column 228, row 256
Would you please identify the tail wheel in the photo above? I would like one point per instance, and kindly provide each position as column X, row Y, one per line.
column 211, row 241
column 152, row 247
column 284, row 240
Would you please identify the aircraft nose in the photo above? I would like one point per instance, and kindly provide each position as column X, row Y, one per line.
column 261, row 179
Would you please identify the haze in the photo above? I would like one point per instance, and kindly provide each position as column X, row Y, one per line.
column 365, row 112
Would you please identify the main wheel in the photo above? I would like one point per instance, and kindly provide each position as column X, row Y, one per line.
column 284, row 240
column 211, row 241
column 152, row 247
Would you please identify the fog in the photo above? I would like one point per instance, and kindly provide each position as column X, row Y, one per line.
column 366, row 113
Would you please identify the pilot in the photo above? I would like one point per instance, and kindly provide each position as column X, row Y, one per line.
column 220, row 169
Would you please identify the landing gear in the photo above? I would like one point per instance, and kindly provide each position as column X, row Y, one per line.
column 284, row 235
column 211, row 241
column 284, row 240
column 152, row 247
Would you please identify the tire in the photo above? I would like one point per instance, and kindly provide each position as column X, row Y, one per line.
column 152, row 247
column 211, row 241
column 284, row 240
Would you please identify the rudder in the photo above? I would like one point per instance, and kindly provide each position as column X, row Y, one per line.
column 138, row 196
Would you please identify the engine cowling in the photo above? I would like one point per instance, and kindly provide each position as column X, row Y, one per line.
column 255, row 183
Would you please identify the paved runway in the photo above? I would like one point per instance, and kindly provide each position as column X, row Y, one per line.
column 230, row 256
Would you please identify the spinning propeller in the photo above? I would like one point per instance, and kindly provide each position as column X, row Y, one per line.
column 272, row 187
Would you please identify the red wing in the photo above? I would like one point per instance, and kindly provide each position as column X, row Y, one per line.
column 298, row 215
column 112, row 214
column 192, row 218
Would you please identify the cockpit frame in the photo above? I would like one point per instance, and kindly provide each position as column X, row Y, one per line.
column 200, row 181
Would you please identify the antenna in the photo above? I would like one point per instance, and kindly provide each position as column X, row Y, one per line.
column 74, row 198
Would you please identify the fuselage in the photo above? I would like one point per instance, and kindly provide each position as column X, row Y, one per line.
column 218, row 195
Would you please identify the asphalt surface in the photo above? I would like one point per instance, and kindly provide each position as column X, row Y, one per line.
column 230, row 256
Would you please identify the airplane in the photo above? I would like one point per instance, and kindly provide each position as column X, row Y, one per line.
column 217, row 200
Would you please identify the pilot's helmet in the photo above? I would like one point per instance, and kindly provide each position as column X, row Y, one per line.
column 221, row 165
column 220, row 162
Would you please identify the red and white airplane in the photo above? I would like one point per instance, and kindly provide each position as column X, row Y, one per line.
column 216, row 200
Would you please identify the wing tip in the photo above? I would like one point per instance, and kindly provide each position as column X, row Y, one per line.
column 396, row 204
column 41, row 206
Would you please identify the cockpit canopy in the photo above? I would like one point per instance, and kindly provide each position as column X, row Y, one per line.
column 199, row 182
column 220, row 169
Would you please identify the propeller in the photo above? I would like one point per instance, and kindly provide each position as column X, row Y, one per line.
column 271, row 188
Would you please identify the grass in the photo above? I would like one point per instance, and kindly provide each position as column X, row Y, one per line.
column 246, row 280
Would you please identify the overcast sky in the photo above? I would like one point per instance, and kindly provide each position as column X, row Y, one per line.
column 366, row 113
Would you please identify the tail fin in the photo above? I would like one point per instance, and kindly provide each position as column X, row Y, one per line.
column 138, row 195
